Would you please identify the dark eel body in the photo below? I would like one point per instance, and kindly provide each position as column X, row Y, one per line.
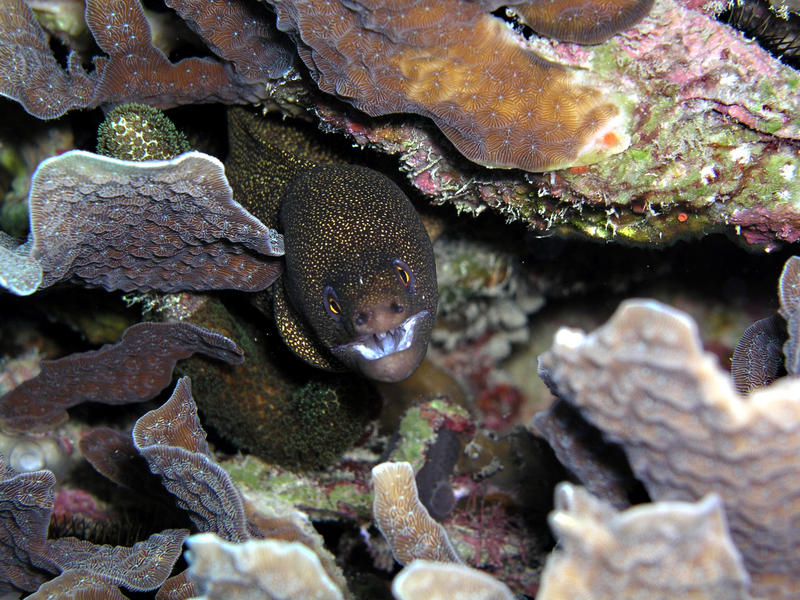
column 359, row 287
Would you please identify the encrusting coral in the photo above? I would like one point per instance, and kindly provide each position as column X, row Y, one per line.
column 702, row 91
column 644, row 380
column 500, row 103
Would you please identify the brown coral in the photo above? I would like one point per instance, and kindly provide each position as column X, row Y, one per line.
column 166, row 225
column 134, row 369
column 173, row 443
column 133, row 69
column 584, row 21
column 645, row 381
column 501, row 104
column 26, row 556
column 660, row 551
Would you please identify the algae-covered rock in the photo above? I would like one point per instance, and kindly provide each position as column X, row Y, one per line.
column 714, row 135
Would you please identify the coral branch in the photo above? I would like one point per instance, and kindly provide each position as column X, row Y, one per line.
column 172, row 441
column 403, row 521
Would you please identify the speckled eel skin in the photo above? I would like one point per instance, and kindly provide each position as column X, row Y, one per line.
column 359, row 287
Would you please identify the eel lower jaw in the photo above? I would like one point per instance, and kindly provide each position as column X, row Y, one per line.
column 390, row 355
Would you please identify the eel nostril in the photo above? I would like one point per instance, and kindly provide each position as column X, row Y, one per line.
column 398, row 308
column 361, row 318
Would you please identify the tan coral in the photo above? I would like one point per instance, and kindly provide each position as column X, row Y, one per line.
column 430, row 580
column 403, row 520
column 645, row 381
column 664, row 550
column 257, row 568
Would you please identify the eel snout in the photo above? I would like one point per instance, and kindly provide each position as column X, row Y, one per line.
column 388, row 353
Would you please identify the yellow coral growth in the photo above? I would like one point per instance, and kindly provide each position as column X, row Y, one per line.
column 497, row 101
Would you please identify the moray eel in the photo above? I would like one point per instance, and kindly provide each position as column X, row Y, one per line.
column 359, row 288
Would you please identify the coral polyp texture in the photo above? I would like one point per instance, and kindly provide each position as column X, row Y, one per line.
column 499, row 102
column 166, row 225
column 403, row 520
column 585, row 21
column 698, row 89
column 644, row 380
column 173, row 443
column 663, row 550
column 132, row 69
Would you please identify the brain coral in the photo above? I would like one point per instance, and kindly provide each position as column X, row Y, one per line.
column 501, row 104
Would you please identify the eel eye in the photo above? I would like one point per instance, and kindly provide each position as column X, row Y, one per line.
column 332, row 302
column 404, row 273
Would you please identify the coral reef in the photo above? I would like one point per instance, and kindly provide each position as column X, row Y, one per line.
column 131, row 69
column 135, row 369
column 662, row 550
column 500, row 103
column 668, row 124
column 644, row 380
column 704, row 94
column 104, row 222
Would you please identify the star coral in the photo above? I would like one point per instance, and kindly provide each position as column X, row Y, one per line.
column 500, row 103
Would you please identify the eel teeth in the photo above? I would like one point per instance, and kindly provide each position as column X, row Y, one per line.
column 377, row 345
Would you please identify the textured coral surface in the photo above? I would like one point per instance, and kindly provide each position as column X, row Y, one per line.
column 497, row 101
column 645, row 381
column 713, row 135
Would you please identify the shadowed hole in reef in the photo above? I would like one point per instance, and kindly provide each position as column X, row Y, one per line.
column 779, row 36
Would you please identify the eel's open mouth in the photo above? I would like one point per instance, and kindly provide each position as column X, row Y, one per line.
column 373, row 346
